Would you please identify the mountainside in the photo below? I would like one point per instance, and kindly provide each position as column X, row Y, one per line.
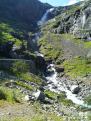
column 45, row 61
column 70, row 31
column 22, row 14
column 76, row 20
column 18, row 19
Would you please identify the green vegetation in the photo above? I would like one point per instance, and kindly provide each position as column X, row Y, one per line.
column 77, row 67
column 66, row 102
column 37, row 117
column 5, row 35
column 53, row 48
column 20, row 67
column 20, row 118
column 72, row 38
column 61, row 98
column 85, row 44
column 26, row 86
column 26, row 17
column 9, row 95
column 89, row 116
column 50, row 94
column 88, row 100
column 31, row 77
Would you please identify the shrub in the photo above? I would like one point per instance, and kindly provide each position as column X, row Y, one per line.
column 19, row 67
column 2, row 95
column 9, row 95
column 88, row 100
column 77, row 67
column 31, row 77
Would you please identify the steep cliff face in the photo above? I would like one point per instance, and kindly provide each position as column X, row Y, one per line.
column 82, row 25
column 75, row 19
column 66, row 38
column 22, row 14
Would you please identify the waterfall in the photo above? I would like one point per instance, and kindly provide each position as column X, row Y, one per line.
column 54, row 83
column 45, row 17
column 83, row 20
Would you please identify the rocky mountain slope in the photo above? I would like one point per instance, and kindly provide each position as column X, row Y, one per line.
column 22, row 14
column 68, row 35
column 45, row 70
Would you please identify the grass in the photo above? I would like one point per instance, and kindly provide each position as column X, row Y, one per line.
column 61, row 98
column 77, row 67
column 50, row 46
column 16, row 119
column 71, row 37
column 87, row 44
column 66, row 102
column 88, row 100
column 50, row 94
column 24, row 85
column 37, row 117
column 32, row 78
column 9, row 95
column 5, row 35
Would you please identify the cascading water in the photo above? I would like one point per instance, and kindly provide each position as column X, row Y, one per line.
column 83, row 20
column 56, row 84
column 45, row 17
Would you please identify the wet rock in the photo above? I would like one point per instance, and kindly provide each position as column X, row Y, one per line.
column 61, row 74
column 59, row 69
column 41, row 63
column 39, row 95
column 75, row 89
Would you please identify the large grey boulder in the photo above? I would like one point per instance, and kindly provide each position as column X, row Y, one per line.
column 39, row 95
column 75, row 89
column 27, row 98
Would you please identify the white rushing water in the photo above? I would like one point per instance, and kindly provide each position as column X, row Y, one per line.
column 45, row 17
column 56, row 84
column 39, row 54
column 83, row 20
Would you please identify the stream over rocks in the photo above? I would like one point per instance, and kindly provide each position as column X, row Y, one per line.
column 58, row 85
column 54, row 83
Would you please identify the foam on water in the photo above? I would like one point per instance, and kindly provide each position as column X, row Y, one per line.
column 55, row 84
column 61, row 86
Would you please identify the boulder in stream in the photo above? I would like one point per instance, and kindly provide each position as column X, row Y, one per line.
column 75, row 89
column 39, row 95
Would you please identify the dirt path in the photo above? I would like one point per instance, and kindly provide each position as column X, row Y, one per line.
column 11, row 111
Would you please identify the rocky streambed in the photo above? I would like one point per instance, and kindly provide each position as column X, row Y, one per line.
column 72, row 92
column 61, row 84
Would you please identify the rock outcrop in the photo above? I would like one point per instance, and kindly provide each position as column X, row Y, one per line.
column 75, row 19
